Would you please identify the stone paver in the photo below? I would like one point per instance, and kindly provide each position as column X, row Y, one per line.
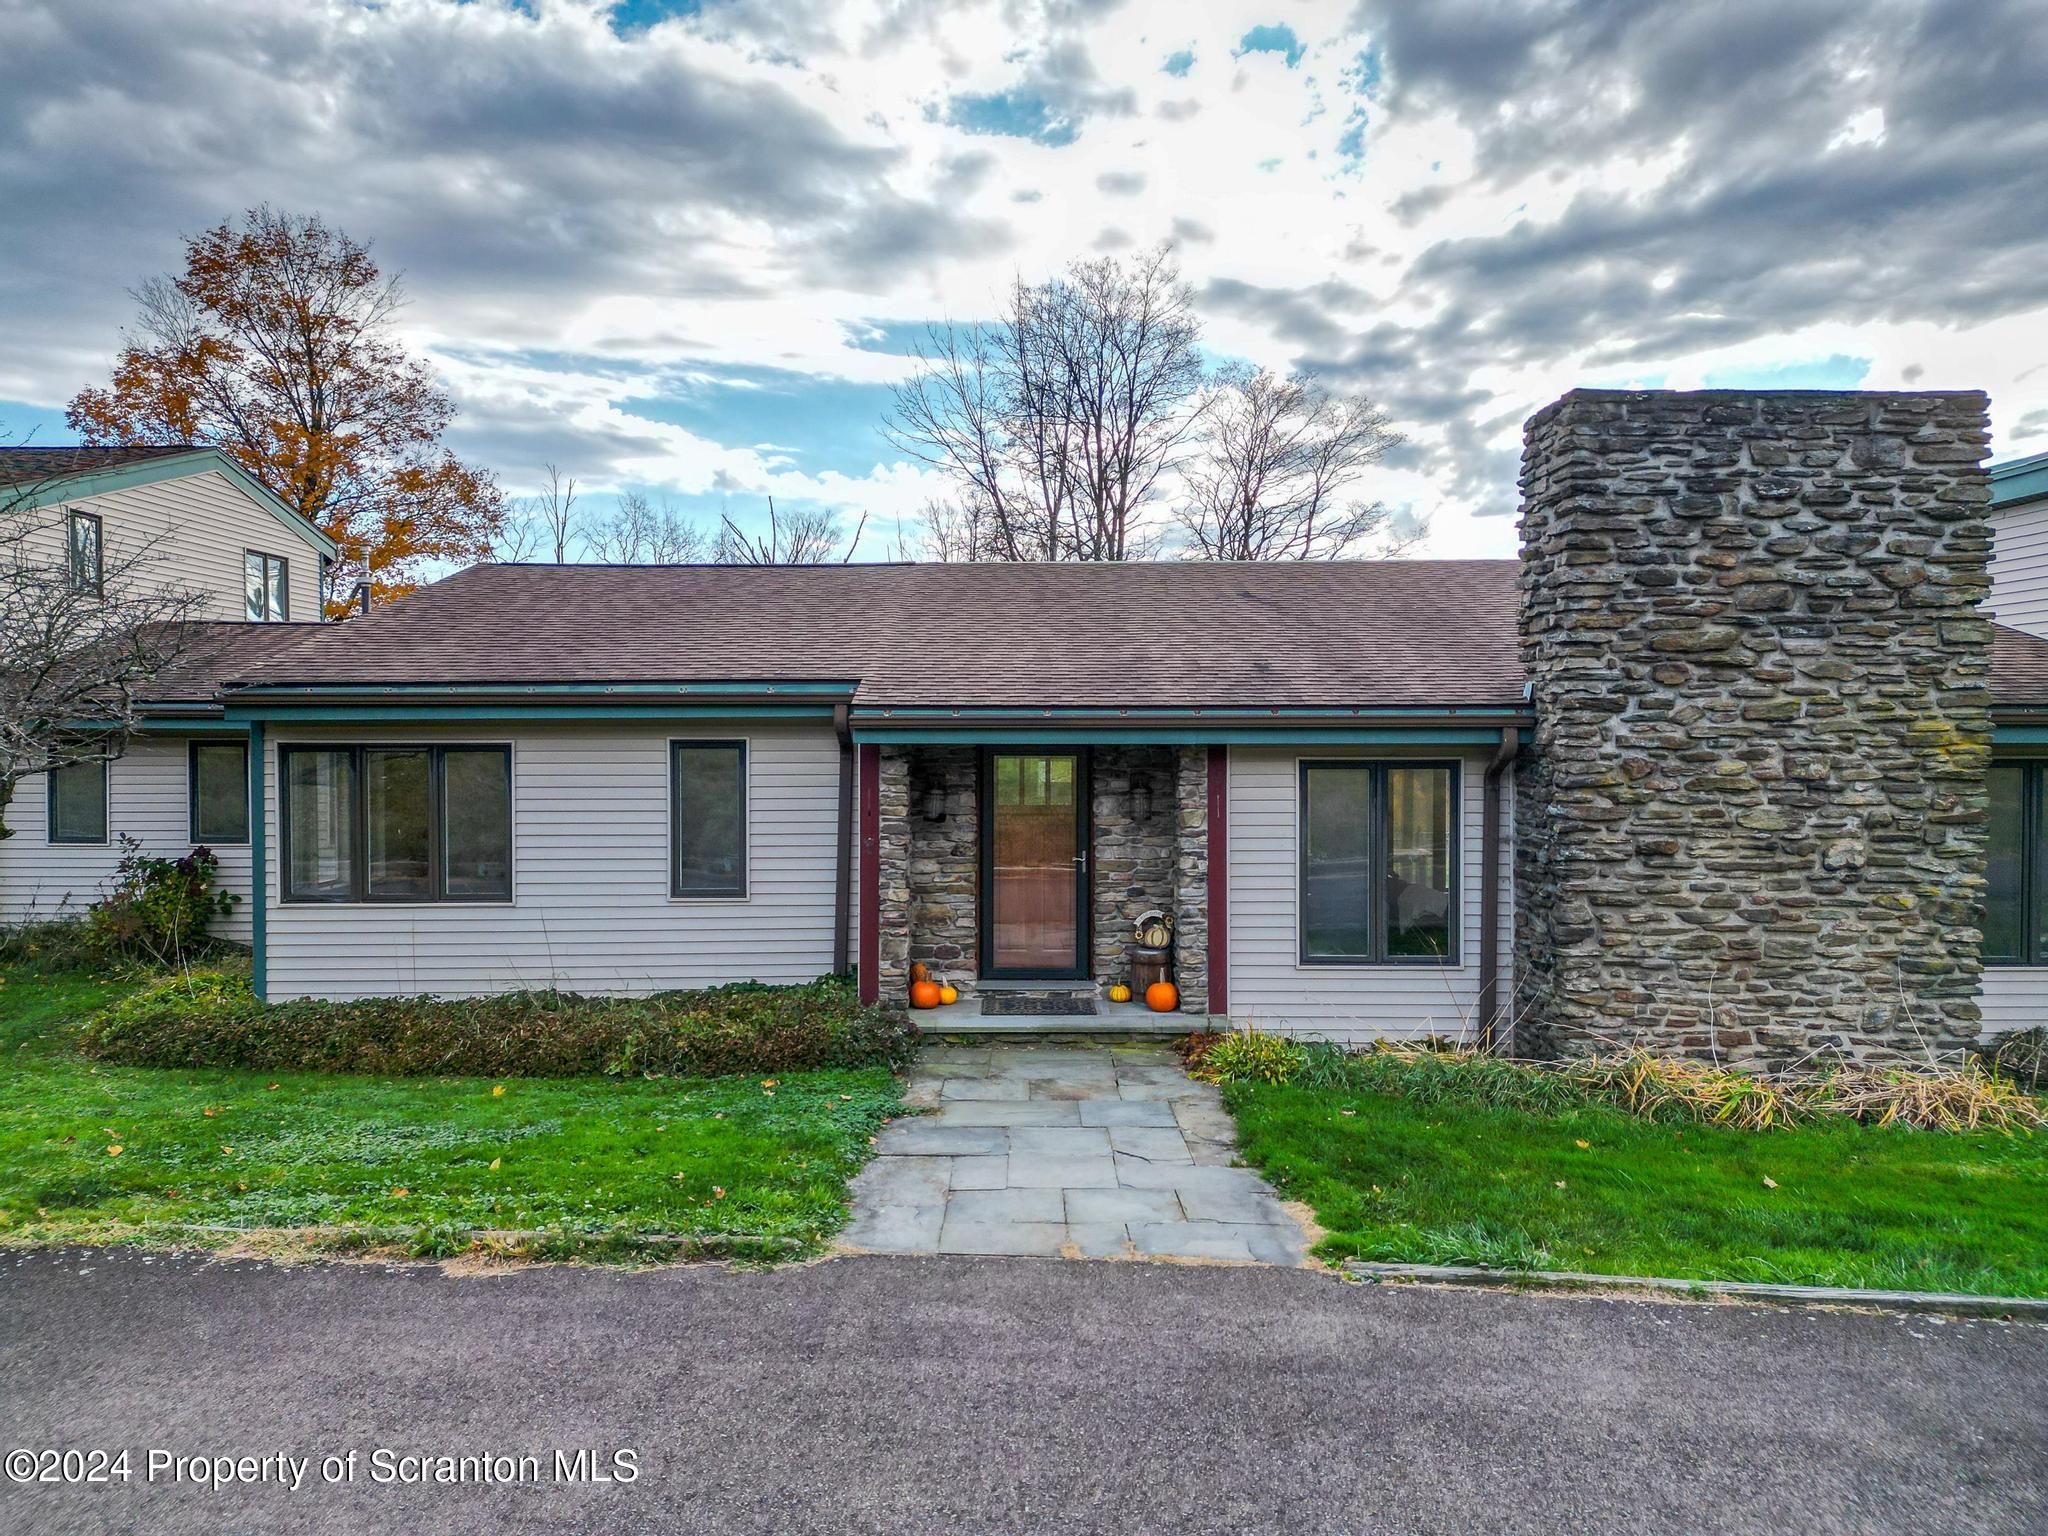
column 1095, row 1152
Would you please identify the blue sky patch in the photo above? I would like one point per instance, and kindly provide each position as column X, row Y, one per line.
column 630, row 16
column 1837, row 371
column 1178, row 64
column 1018, row 114
column 1278, row 39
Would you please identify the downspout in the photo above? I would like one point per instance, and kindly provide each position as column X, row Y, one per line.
column 1489, row 889
column 259, row 866
column 842, row 888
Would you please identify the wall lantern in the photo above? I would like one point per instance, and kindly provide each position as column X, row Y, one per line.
column 935, row 803
column 1141, row 802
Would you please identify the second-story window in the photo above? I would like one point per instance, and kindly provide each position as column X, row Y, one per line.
column 263, row 586
column 88, row 568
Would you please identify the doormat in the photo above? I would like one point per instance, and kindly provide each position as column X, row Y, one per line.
column 1000, row 1005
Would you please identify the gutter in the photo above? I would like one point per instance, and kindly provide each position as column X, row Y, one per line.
column 1489, row 890
column 842, row 883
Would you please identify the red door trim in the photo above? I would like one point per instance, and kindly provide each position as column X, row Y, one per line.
column 870, row 873
column 1219, row 879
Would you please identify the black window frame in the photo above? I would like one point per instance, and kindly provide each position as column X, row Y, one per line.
column 1376, row 770
column 192, row 828
column 72, row 520
column 284, row 587
column 106, row 836
column 677, row 745
column 359, row 850
column 2033, row 868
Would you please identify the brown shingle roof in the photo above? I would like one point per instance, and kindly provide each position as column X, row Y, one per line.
column 2019, row 668
column 28, row 466
column 216, row 650
column 1400, row 634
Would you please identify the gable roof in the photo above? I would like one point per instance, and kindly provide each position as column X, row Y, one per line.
column 47, row 475
column 29, row 466
column 1344, row 634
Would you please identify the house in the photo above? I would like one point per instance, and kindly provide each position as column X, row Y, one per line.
column 1710, row 766
column 182, row 517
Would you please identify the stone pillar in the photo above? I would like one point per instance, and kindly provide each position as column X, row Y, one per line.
column 1134, row 816
column 944, row 869
column 893, row 877
column 1751, row 825
column 1191, row 880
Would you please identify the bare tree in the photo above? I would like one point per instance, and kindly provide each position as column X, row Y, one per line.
column 641, row 533
column 1060, row 423
column 802, row 538
column 545, row 521
column 1276, row 457
column 83, row 631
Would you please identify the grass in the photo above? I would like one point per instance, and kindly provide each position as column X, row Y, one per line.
column 733, row 1167
column 1827, row 1203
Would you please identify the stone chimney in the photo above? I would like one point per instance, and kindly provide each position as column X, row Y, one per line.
column 1751, row 824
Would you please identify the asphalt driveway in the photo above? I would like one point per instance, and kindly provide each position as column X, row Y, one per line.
column 970, row 1394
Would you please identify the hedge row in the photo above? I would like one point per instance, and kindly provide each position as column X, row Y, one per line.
column 212, row 1019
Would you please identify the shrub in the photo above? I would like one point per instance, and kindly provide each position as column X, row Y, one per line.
column 159, row 909
column 1248, row 1056
column 212, row 1019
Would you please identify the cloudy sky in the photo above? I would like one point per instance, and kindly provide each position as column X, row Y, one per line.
column 682, row 246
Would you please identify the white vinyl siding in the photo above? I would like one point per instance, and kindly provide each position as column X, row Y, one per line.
column 196, row 528
column 591, row 910
column 2019, row 567
column 1268, row 986
column 2014, row 997
column 146, row 800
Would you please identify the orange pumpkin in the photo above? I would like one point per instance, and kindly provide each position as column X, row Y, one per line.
column 1162, row 997
column 948, row 994
column 924, row 994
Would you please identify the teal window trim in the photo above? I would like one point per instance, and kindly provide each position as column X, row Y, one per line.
column 2028, row 922
column 192, row 797
column 1379, row 846
column 106, row 836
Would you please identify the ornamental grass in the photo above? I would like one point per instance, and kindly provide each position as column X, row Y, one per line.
column 1639, row 1082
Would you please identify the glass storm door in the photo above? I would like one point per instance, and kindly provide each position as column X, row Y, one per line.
column 1035, row 865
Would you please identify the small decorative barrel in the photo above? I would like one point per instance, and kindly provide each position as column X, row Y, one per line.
column 1149, row 965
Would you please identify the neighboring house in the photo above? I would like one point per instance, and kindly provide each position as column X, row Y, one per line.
column 1708, row 768
column 188, row 519
column 2019, row 555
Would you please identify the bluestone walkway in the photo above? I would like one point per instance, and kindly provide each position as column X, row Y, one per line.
column 1086, row 1152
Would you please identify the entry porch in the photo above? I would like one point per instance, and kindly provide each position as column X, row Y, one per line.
column 1016, row 873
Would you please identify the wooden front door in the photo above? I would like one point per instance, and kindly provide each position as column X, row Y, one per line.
column 1034, row 865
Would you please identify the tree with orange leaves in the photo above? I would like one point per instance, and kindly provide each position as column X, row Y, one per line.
column 275, row 346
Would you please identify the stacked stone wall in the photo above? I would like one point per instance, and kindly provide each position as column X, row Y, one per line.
column 1751, row 822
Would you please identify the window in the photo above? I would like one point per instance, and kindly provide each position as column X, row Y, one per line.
column 2016, row 871
column 264, row 580
column 1379, row 878
column 88, row 566
column 219, row 792
column 398, row 824
column 708, row 819
column 78, row 803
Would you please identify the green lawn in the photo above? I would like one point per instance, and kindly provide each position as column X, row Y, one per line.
column 600, row 1167
column 1827, row 1204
